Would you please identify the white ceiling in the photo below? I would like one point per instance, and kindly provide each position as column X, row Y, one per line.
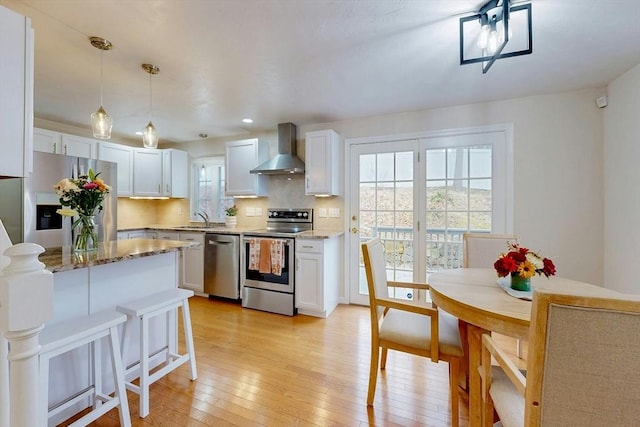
column 302, row 61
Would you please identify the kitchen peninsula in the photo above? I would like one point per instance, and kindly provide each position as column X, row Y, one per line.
column 86, row 283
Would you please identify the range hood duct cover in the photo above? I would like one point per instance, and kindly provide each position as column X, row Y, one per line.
column 286, row 161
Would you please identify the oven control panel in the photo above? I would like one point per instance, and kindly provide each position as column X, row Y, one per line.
column 290, row 215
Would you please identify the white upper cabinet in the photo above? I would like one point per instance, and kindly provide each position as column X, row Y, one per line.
column 240, row 158
column 49, row 141
column 147, row 172
column 16, row 94
column 46, row 141
column 175, row 165
column 322, row 163
column 78, row 146
column 123, row 156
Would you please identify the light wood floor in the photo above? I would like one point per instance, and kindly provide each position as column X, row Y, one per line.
column 263, row 369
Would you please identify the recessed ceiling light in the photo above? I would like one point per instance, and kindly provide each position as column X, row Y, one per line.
column 139, row 133
column 247, row 121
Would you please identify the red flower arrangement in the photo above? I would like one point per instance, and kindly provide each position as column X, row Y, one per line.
column 522, row 262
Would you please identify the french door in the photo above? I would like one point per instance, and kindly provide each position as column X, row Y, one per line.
column 419, row 195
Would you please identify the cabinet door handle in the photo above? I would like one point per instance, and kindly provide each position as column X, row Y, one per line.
column 159, row 188
column 54, row 147
column 307, row 247
column 168, row 191
column 65, row 149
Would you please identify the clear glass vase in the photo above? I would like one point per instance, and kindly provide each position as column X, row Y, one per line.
column 86, row 234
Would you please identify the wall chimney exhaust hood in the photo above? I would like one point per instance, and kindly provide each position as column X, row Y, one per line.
column 286, row 161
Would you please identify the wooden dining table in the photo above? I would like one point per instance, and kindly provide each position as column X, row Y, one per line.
column 474, row 297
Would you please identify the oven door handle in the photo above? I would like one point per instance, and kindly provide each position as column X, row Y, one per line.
column 213, row 242
column 286, row 242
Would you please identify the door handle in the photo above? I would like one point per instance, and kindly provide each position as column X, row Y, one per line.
column 213, row 242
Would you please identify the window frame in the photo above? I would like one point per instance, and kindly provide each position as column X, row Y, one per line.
column 218, row 201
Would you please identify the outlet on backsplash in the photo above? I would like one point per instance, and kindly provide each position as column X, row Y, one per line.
column 334, row 212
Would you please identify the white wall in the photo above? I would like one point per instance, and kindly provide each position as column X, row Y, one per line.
column 622, row 182
column 558, row 206
column 559, row 171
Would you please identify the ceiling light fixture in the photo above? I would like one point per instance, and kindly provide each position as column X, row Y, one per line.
column 248, row 121
column 485, row 35
column 101, row 122
column 149, row 135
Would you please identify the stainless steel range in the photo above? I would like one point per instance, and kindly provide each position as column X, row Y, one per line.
column 269, row 261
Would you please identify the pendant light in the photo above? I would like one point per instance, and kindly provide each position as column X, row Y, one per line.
column 149, row 135
column 101, row 122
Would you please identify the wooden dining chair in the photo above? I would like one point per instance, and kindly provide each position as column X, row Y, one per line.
column 481, row 250
column 583, row 366
column 406, row 326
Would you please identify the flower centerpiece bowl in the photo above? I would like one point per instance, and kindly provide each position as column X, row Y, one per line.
column 521, row 264
column 82, row 199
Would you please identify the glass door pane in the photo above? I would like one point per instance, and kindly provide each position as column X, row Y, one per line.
column 385, row 209
column 459, row 198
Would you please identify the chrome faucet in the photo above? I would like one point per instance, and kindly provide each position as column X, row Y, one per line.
column 205, row 216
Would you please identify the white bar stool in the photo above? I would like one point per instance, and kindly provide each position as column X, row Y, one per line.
column 69, row 335
column 166, row 302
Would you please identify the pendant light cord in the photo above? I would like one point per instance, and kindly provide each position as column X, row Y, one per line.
column 101, row 75
column 150, row 94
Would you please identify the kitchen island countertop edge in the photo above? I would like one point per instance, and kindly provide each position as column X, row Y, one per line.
column 64, row 258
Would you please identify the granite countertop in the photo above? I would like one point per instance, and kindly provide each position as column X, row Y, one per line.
column 64, row 259
column 215, row 228
column 221, row 229
column 319, row 234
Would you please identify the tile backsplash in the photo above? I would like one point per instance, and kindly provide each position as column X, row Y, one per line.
column 134, row 213
column 284, row 191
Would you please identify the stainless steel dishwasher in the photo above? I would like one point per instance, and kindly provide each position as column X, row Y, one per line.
column 222, row 265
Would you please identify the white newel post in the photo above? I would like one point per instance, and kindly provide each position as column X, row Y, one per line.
column 26, row 303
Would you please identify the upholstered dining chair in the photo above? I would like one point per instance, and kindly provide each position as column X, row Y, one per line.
column 583, row 366
column 481, row 250
column 408, row 327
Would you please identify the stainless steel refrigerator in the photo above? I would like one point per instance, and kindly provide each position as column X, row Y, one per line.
column 28, row 205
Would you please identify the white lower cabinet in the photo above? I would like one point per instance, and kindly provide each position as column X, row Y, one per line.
column 141, row 234
column 192, row 275
column 317, row 276
column 167, row 235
